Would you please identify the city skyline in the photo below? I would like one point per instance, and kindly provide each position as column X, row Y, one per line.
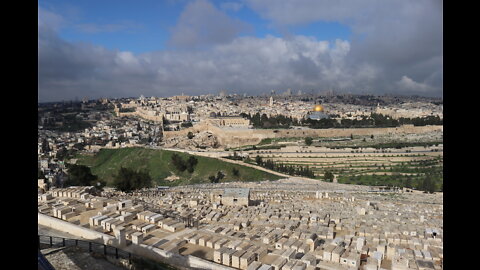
column 199, row 47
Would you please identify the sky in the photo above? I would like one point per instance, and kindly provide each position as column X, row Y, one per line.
column 126, row 48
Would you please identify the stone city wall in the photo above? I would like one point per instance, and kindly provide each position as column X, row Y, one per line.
column 121, row 114
column 155, row 118
column 231, row 137
column 346, row 132
column 140, row 113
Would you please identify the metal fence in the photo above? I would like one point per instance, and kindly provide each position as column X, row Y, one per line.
column 45, row 241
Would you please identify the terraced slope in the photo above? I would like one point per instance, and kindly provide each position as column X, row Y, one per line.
column 369, row 166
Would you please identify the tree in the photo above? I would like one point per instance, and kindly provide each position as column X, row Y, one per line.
column 127, row 180
column 80, row 175
column 212, row 179
column 183, row 165
column 190, row 135
column 235, row 172
column 220, row 176
column 328, row 176
column 178, row 162
column 45, row 146
column 408, row 182
column 79, row 146
column 308, row 141
column 258, row 160
column 428, row 184
column 191, row 162
column 61, row 153
column 41, row 175
column 216, row 179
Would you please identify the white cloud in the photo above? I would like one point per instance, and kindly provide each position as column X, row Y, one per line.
column 94, row 28
column 405, row 83
column 49, row 19
column 202, row 24
column 126, row 58
column 246, row 64
column 395, row 36
column 233, row 6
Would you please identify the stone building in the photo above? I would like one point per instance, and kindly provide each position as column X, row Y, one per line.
column 229, row 121
column 177, row 115
column 232, row 197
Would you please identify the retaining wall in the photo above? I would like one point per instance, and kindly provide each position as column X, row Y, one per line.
column 75, row 230
column 177, row 260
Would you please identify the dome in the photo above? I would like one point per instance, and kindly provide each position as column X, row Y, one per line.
column 318, row 108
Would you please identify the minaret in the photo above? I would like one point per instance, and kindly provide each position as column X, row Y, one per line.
column 271, row 101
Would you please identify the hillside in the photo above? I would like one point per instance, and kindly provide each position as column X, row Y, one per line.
column 158, row 163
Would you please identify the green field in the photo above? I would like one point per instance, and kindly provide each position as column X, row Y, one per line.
column 106, row 163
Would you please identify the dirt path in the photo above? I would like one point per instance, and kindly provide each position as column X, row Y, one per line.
column 218, row 155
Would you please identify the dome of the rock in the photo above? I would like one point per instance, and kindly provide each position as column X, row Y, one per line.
column 318, row 108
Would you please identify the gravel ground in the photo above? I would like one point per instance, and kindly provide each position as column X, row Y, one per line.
column 73, row 258
column 43, row 230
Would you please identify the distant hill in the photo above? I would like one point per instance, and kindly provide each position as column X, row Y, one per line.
column 158, row 163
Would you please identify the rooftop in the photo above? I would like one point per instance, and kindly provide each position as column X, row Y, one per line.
column 236, row 192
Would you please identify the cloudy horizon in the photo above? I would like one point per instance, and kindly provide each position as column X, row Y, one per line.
column 245, row 46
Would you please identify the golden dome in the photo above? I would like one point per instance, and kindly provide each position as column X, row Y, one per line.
column 318, row 108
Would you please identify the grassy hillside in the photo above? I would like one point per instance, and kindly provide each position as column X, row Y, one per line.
column 107, row 162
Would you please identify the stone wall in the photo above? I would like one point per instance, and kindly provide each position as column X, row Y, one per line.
column 122, row 114
column 228, row 137
column 140, row 113
column 76, row 230
column 145, row 115
column 204, row 264
column 346, row 132
column 235, row 201
column 179, row 261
